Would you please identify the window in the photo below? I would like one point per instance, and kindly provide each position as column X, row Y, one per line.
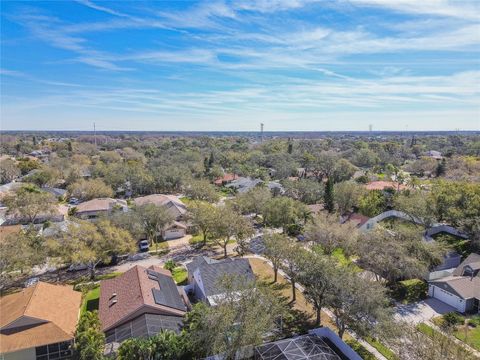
column 59, row 351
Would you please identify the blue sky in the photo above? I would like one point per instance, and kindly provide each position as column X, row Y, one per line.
column 216, row 65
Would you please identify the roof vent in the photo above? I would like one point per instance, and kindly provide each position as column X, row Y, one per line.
column 113, row 302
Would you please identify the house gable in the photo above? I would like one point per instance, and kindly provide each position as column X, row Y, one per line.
column 23, row 321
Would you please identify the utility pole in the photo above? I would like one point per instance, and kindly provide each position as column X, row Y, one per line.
column 261, row 132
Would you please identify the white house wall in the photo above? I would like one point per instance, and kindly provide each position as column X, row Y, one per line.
column 447, row 298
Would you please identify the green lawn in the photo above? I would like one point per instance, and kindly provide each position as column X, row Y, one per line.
column 180, row 275
column 360, row 350
column 472, row 336
column 382, row 349
column 343, row 260
column 91, row 299
column 469, row 335
column 427, row 330
column 410, row 291
column 196, row 239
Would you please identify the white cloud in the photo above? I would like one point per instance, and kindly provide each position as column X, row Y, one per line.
column 463, row 9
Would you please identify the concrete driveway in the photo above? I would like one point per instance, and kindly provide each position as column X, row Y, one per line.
column 179, row 243
column 422, row 311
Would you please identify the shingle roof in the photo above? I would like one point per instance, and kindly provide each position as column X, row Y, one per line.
column 57, row 306
column 382, row 185
column 465, row 287
column 170, row 201
column 100, row 204
column 472, row 260
column 211, row 273
column 133, row 290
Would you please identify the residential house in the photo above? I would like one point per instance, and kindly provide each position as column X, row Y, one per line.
column 245, row 184
column 437, row 155
column 39, row 322
column 175, row 207
column 57, row 192
column 315, row 209
column 173, row 204
column 140, row 303
column 205, row 276
column 92, row 209
column 60, row 214
column 462, row 289
column 383, row 185
column 227, row 178
column 358, row 219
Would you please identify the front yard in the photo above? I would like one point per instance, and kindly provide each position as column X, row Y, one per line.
column 264, row 272
column 464, row 328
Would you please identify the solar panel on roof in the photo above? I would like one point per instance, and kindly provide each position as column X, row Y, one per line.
column 168, row 294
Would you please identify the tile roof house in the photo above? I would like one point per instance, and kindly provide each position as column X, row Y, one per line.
column 39, row 322
column 140, row 303
column 225, row 179
column 94, row 208
column 462, row 289
column 174, row 205
column 205, row 275
column 382, row 185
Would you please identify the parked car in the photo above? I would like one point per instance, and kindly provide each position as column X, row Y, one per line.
column 73, row 201
column 143, row 245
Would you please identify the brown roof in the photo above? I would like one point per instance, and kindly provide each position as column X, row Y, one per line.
column 357, row 219
column 226, row 178
column 133, row 293
column 172, row 202
column 157, row 199
column 382, row 185
column 100, row 204
column 315, row 208
column 9, row 229
column 53, row 312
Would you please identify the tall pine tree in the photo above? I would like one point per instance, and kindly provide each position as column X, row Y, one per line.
column 328, row 198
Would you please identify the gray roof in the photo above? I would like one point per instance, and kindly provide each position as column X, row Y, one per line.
column 244, row 184
column 55, row 191
column 472, row 260
column 211, row 272
column 463, row 286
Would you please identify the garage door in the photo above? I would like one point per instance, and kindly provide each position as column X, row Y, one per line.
column 446, row 297
column 174, row 234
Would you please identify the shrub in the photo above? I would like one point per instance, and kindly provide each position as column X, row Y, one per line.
column 411, row 290
column 474, row 321
column 451, row 319
column 170, row 265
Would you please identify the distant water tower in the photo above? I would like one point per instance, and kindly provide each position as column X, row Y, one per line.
column 370, row 128
column 261, row 132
